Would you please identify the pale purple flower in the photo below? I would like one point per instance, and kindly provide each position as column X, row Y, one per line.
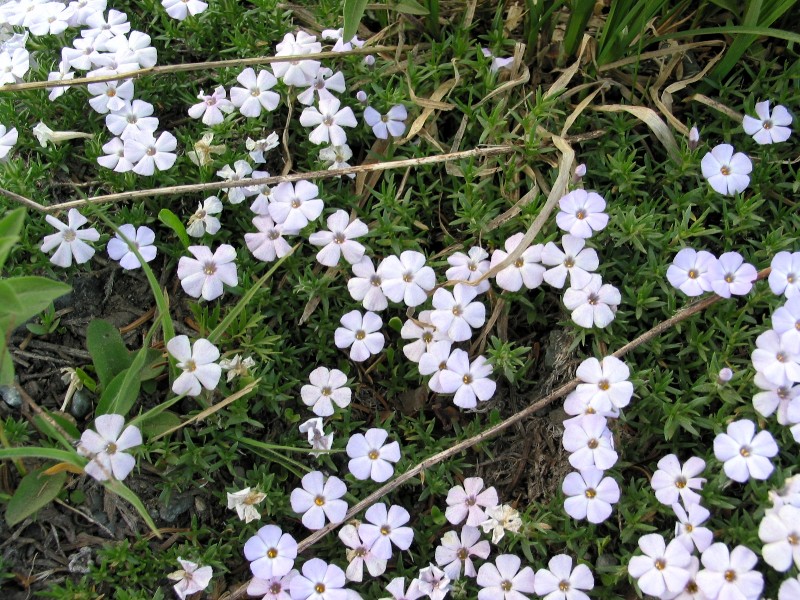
column 456, row 313
column 770, row 127
column 406, row 278
column 432, row 582
column 297, row 72
column 370, row 456
column 468, row 381
column 256, row 148
column 662, row 568
column 110, row 96
column 70, row 241
column 777, row 357
column 211, row 107
column 141, row 237
column 691, row 271
column 396, row 589
column 205, row 274
column 730, row 574
column 526, row 270
column 339, row 240
column 106, row 446
column 336, row 157
column 780, row 398
column 319, row 581
column 589, row 495
column 780, row 532
column 324, row 81
column 268, row 243
column 589, row 442
column 328, row 122
column 115, row 157
column 582, row 213
column 366, row 286
column 691, row 591
column 575, row 260
column 318, row 499
column 149, row 153
column 384, row 528
column 469, row 267
column 605, row 387
column 688, row 529
column 468, row 502
column 594, row 305
column 392, row 123
column 559, row 581
column 360, row 333
column 180, row 9
column 317, row 438
column 293, row 206
column 423, row 332
column 192, row 578
column 274, row 588
column 726, row 172
column 241, row 170
column 745, row 453
column 503, row 579
column 198, row 363
column 786, row 319
column 132, row 119
column 730, row 275
column 672, row 481
column 785, row 275
column 255, row 95
column 790, row 589
column 8, row 138
column 203, row 219
column 455, row 552
column 498, row 62
column 358, row 555
column 271, row 552
column 325, row 387
column 434, row 362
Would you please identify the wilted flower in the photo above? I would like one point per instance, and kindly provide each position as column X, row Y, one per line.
column 45, row 135
column 500, row 519
column 192, row 578
column 237, row 366
column 244, row 501
column 203, row 149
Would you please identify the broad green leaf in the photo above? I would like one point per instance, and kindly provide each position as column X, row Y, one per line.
column 154, row 365
column 33, row 295
column 353, row 11
column 410, row 7
column 49, row 453
column 159, row 423
column 121, row 490
column 9, row 301
column 121, row 394
column 44, row 425
column 109, row 354
column 6, row 365
column 10, row 227
column 171, row 220
column 34, row 491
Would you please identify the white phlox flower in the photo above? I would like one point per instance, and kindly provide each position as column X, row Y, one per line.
column 319, row 499
column 271, row 552
column 392, row 123
column 203, row 219
column 468, row 381
column 727, row 173
column 589, row 442
column 360, row 333
column 205, row 274
column 457, row 313
column 317, row 438
column 64, row 73
column 70, row 241
column 180, row 9
column 575, row 260
column 745, row 453
column 423, row 332
column 106, row 447
column 339, row 240
column 255, row 95
column 505, row 580
column 784, row 278
column 469, row 267
column 469, row 501
column 324, row 82
column 110, row 96
column 526, row 270
column 8, row 139
column 605, row 387
column 371, row 457
column 293, row 206
column 434, row 362
column 662, row 568
column 132, row 119
column 455, row 551
column 366, row 286
column 406, row 278
column 149, row 153
column 267, row 243
column 359, row 554
column 192, row 578
column 559, row 581
column 672, row 481
column 241, row 170
column 198, row 363
column 211, row 107
column 298, row 73
column 771, row 127
column 326, row 387
column 236, row 366
column 730, row 573
column 141, row 237
column 115, row 157
column 582, row 213
column 384, row 528
column 594, row 305
column 328, row 122
column 589, row 495
column 257, row 148
column 336, row 157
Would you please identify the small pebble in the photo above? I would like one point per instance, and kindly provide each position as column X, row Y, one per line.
column 11, row 396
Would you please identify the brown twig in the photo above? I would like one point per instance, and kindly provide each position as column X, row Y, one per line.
column 22, row 200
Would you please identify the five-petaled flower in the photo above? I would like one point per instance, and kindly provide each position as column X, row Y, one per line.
column 70, row 241
column 726, row 172
column 325, row 387
column 205, row 274
column 770, row 127
column 370, row 456
column 192, row 578
column 198, row 363
column 105, row 447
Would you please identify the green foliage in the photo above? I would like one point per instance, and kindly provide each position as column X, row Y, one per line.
column 35, row 490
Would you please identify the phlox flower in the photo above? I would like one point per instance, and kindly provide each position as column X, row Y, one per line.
column 336, row 157
column 326, row 387
column 203, row 219
column 256, row 148
column 64, row 72
column 561, row 582
column 406, row 278
column 255, row 95
column 769, row 127
column 366, row 286
column 341, row 45
column 790, row 589
column 727, row 173
column 780, row 532
column 691, row 591
column 672, row 482
column 694, row 137
column 605, row 387
column 138, row 43
column 500, row 519
column 469, row 267
column 455, row 551
column 106, row 446
column 392, row 123
column 297, row 72
column 384, row 528
column 237, row 366
column 107, row 26
column 786, row 319
column 589, row 442
column 50, row 18
column 244, row 502
column 83, row 54
column 318, row 499
column 691, row 271
column 777, row 357
column 271, row 552
column 468, row 502
column 263, row 192
column 192, row 578
column 110, row 96
column 150, row 153
column 198, row 363
column 434, row 362
column 789, row 494
column 730, row 574
column 205, row 274
column 13, row 65
column 589, row 495
column 575, row 260
column 340, row 240
column 527, row 270
column 8, row 138
column 688, row 529
column 46, row 136
column 594, row 305
column 785, row 275
column 725, row 375
column 69, row 241
column 456, row 313
column 358, row 555
column 293, row 206
column 745, row 453
column 396, row 589
column 423, row 332
column 662, row 568
column 324, row 81
column 180, row 9
column 114, row 63
column 274, row 588
column 203, row 149
column 313, row 428
column 268, row 243
column 774, row 397
column 432, row 582
column 360, row 333
column 142, row 237
column 582, row 213
column 132, row 119
column 503, row 579
column 498, row 62
column 371, row 457
column 468, row 381
column 241, row 170
column 328, row 122
column 730, row 275
column 115, row 157
column 211, row 106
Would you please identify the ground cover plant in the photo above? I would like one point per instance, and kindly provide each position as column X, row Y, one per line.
column 399, row 300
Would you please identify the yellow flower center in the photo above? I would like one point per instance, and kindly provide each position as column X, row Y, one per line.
column 467, row 379
column 725, row 170
column 272, row 553
column 730, row 575
column 660, row 564
column 590, row 493
column 360, row 334
column 209, row 268
column 373, row 455
column 320, row 588
column 319, row 500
